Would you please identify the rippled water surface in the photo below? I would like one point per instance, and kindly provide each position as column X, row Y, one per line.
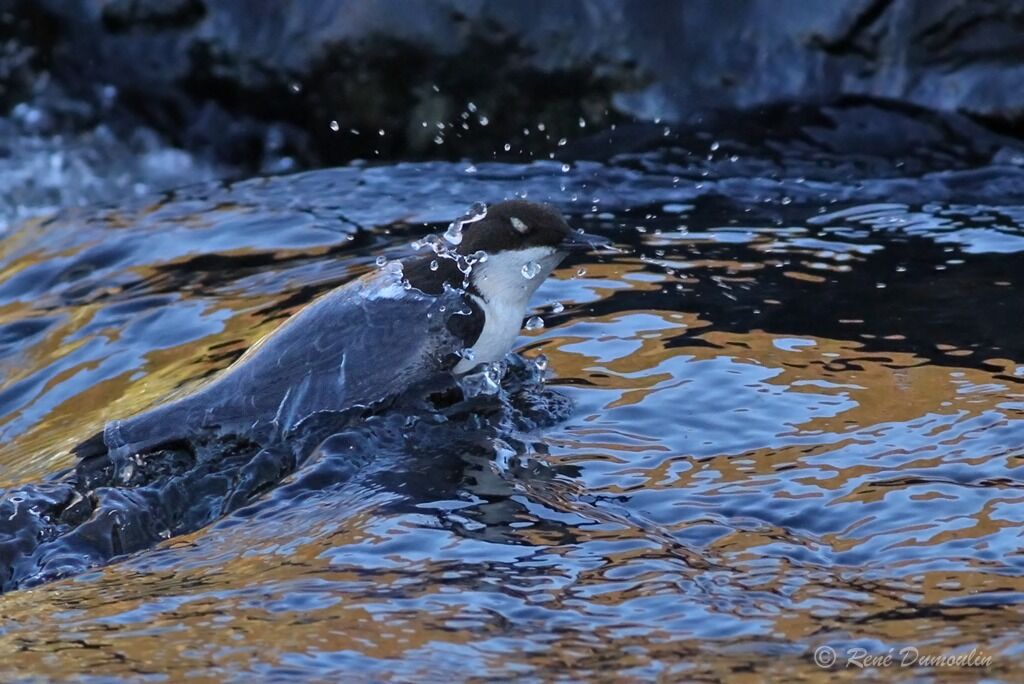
column 798, row 420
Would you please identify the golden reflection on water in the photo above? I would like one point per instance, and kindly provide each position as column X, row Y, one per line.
column 223, row 613
column 636, row 586
column 45, row 445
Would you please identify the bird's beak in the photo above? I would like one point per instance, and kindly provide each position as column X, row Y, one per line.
column 583, row 242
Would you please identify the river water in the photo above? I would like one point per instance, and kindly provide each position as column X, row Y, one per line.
column 797, row 421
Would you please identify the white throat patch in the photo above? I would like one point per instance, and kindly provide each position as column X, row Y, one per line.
column 505, row 293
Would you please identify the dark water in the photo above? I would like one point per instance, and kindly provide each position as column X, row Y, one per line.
column 797, row 420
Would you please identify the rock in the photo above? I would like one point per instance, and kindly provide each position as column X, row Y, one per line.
column 455, row 78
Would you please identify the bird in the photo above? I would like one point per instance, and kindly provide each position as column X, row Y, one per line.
column 408, row 324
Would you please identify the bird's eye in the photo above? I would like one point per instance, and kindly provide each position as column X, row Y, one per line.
column 519, row 225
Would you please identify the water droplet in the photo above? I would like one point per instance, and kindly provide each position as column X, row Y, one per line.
column 335, row 126
column 454, row 233
column 434, row 265
column 484, row 121
column 478, row 257
column 508, row 147
column 557, row 307
column 476, row 212
column 471, row 168
column 541, row 363
column 580, row 272
column 583, row 124
column 530, row 270
column 380, row 132
column 715, row 146
column 296, row 87
column 561, row 142
column 471, row 106
column 381, row 260
column 534, row 323
column 565, row 168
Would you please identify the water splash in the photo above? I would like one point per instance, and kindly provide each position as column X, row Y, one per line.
column 477, row 211
column 485, row 381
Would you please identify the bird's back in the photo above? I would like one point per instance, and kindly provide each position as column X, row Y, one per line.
column 360, row 345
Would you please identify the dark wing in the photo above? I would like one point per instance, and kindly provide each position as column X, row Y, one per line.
column 353, row 347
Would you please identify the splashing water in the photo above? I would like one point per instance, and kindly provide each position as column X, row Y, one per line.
column 486, row 381
column 476, row 213
column 746, row 474
column 453, row 236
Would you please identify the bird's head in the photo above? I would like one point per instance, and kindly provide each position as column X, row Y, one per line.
column 523, row 243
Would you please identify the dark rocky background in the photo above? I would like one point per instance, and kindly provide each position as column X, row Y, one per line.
column 254, row 85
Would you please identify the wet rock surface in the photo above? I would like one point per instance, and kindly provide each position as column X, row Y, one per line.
column 204, row 72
